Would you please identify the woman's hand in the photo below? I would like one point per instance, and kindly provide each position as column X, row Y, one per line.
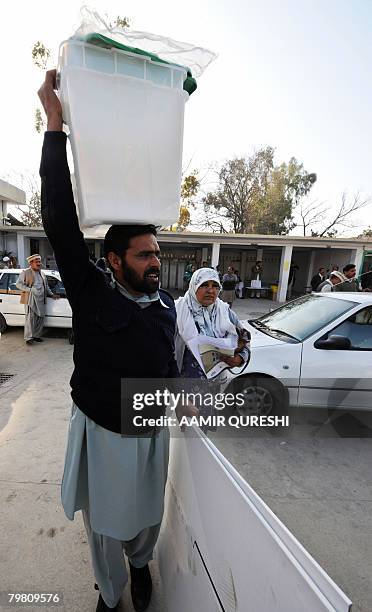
column 232, row 362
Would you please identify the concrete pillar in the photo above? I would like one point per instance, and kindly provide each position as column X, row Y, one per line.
column 357, row 258
column 310, row 272
column 21, row 250
column 259, row 254
column 204, row 254
column 215, row 254
column 285, row 264
column 243, row 267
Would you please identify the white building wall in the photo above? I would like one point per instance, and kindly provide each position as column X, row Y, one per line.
column 8, row 242
column 332, row 257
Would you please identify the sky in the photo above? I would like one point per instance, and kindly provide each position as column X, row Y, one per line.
column 293, row 74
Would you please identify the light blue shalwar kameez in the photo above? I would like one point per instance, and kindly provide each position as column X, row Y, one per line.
column 118, row 483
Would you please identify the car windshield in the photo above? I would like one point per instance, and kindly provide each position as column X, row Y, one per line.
column 303, row 317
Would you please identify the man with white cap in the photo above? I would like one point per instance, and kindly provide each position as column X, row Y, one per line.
column 334, row 279
column 35, row 291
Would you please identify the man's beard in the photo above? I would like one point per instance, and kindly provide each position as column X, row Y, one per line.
column 142, row 285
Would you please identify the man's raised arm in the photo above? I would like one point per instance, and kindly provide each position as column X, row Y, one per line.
column 57, row 203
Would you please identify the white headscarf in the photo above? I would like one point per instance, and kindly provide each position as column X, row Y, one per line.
column 211, row 320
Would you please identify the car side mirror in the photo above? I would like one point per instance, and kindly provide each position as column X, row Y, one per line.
column 333, row 343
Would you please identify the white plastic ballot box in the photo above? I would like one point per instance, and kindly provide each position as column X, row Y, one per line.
column 125, row 114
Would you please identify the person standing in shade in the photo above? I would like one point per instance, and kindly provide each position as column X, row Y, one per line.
column 239, row 286
column 122, row 330
column 35, row 291
column 292, row 279
column 229, row 281
column 317, row 279
column 256, row 275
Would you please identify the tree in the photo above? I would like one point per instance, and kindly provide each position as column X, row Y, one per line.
column 315, row 219
column 189, row 189
column 41, row 55
column 31, row 215
column 120, row 22
column 367, row 233
column 255, row 196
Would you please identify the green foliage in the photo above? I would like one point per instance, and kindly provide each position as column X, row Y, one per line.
column 120, row 22
column 189, row 189
column 367, row 233
column 255, row 196
column 40, row 55
column 39, row 121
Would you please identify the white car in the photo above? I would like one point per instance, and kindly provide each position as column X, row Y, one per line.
column 315, row 351
column 12, row 312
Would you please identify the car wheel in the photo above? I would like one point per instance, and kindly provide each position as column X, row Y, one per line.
column 3, row 325
column 70, row 336
column 261, row 396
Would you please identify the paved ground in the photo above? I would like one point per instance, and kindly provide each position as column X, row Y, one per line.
column 40, row 549
column 321, row 488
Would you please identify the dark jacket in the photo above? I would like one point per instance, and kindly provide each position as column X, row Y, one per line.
column 316, row 280
column 114, row 338
column 366, row 280
column 348, row 285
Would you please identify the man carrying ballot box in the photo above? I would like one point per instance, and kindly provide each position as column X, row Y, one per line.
column 122, row 330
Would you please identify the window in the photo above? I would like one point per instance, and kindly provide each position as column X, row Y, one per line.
column 304, row 316
column 4, row 283
column 358, row 328
column 56, row 286
column 13, row 278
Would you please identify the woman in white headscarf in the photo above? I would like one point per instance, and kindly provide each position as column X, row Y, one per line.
column 200, row 311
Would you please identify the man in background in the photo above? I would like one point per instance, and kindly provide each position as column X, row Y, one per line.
column 292, row 279
column 256, row 275
column 350, row 282
column 35, row 291
column 317, row 279
column 328, row 285
column 229, row 281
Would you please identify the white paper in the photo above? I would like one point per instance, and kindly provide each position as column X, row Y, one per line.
column 202, row 344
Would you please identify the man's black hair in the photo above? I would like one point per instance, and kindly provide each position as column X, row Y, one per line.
column 118, row 237
column 348, row 267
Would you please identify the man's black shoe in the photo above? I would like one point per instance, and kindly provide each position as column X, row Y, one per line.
column 101, row 606
column 38, row 340
column 140, row 587
column 29, row 342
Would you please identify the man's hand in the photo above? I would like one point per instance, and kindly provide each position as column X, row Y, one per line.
column 189, row 410
column 55, row 297
column 51, row 103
